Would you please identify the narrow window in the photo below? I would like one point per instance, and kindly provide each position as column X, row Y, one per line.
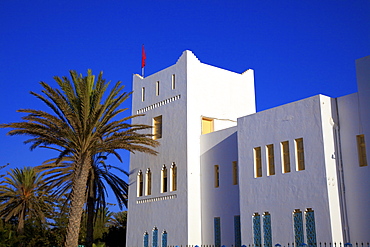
column 146, row 239
column 173, row 177
column 285, row 156
column 173, row 81
column 267, row 235
column 300, row 154
column 310, row 227
column 164, row 179
column 157, row 88
column 157, row 130
column 207, row 125
column 256, row 230
column 271, row 159
column 237, row 231
column 257, row 162
column 148, row 180
column 361, row 148
column 235, row 172
column 298, row 227
column 164, row 238
column 140, row 183
column 217, row 176
column 143, row 94
column 217, row 231
column 155, row 237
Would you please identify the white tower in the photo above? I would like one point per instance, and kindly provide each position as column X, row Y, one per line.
column 182, row 102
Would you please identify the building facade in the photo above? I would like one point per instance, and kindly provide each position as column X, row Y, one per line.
column 226, row 175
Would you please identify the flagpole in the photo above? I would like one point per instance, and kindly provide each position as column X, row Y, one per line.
column 143, row 57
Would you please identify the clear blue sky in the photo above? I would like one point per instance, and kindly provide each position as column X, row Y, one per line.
column 297, row 48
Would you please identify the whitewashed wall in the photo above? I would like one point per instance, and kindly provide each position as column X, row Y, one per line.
column 164, row 210
column 215, row 93
column 354, row 119
column 219, row 148
column 201, row 90
column 280, row 194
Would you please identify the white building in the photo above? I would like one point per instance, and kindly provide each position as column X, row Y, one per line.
column 226, row 175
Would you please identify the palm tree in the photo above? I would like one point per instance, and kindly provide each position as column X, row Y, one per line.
column 84, row 123
column 60, row 175
column 23, row 194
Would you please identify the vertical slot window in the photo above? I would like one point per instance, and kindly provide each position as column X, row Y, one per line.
column 298, row 227
column 300, row 154
column 257, row 162
column 173, row 177
column 207, row 125
column 270, row 159
column 267, row 234
column 310, row 227
column 217, row 231
column 285, row 156
column 140, row 183
column 157, row 130
column 256, row 230
column 217, row 176
column 237, row 231
column 148, row 180
column 235, row 172
column 157, row 88
column 164, row 179
column 173, row 81
column 361, row 148
column 143, row 94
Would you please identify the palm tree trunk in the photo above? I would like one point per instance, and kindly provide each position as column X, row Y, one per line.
column 78, row 194
column 90, row 212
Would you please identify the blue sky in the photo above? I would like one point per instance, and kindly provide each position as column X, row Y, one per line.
column 297, row 48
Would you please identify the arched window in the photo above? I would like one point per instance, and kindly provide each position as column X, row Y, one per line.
column 140, row 184
column 148, row 180
column 164, row 179
column 173, row 177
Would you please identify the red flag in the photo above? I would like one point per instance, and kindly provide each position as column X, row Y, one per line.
column 143, row 57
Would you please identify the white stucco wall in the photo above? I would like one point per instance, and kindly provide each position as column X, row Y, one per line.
column 201, row 90
column 219, row 148
column 281, row 193
column 354, row 113
column 164, row 210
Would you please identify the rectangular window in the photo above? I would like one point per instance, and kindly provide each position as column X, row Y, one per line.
column 207, row 125
column 140, row 184
column 157, row 88
column 157, row 130
column 361, row 148
column 270, row 159
column 173, row 84
column 217, row 231
column 143, row 94
column 237, row 231
column 164, row 179
column 217, row 176
column 235, row 172
column 257, row 162
column 300, row 154
column 173, row 177
column 285, row 156
column 148, row 187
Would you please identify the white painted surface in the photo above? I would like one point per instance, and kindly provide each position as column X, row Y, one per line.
column 328, row 128
column 281, row 193
column 219, row 148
